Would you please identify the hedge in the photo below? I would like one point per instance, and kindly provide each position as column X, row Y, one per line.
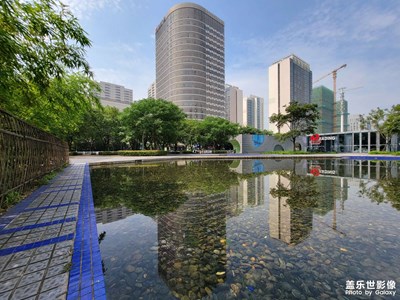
column 142, row 152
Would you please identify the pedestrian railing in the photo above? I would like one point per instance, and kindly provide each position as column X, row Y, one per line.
column 26, row 154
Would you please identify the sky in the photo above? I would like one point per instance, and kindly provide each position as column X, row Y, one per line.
column 364, row 34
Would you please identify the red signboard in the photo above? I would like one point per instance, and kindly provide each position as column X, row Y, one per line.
column 315, row 139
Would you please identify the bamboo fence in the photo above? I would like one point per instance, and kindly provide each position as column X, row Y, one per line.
column 26, row 154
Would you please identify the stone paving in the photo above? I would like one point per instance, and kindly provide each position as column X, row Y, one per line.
column 48, row 242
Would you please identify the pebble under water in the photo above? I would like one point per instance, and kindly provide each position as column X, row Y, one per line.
column 250, row 229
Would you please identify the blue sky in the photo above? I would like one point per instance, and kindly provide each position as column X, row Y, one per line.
column 364, row 34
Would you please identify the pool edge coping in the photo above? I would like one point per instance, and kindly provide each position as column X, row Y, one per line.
column 86, row 278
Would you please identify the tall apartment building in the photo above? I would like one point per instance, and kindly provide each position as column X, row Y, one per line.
column 323, row 97
column 290, row 79
column 253, row 112
column 190, row 61
column 115, row 95
column 234, row 104
column 151, row 91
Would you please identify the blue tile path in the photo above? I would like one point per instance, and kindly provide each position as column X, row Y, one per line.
column 49, row 243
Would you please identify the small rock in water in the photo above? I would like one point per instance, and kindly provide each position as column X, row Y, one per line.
column 129, row 268
column 208, row 291
column 296, row 293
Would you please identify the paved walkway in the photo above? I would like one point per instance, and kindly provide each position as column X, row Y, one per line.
column 48, row 242
column 97, row 160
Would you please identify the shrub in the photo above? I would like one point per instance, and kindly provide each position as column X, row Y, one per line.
column 384, row 153
column 142, row 152
column 220, row 151
column 109, row 153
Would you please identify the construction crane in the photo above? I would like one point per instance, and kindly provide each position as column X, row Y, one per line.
column 334, row 75
column 342, row 89
column 341, row 103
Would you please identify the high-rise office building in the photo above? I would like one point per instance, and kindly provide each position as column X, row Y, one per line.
column 253, row 112
column 151, row 91
column 323, row 97
column 234, row 104
column 115, row 95
column 290, row 79
column 190, row 61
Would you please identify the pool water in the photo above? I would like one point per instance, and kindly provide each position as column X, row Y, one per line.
column 250, row 229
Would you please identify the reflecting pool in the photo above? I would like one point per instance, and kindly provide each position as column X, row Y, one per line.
column 250, row 229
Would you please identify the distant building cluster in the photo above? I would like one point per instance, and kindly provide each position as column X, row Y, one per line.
column 115, row 95
column 190, row 72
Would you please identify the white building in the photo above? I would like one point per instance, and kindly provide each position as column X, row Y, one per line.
column 253, row 112
column 115, row 95
column 355, row 122
column 190, row 61
column 234, row 104
column 151, row 91
column 290, row 79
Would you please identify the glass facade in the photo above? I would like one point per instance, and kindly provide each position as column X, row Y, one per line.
column 323, row 97
column 190, row 61
column 289, row 80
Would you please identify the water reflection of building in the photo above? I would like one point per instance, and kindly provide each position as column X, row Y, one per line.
column 192, row 245
column 108, row 215
column 349, row 168
column 249, row 192
column 290, row 225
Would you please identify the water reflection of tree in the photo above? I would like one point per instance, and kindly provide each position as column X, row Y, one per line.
column 386, row 189
column 301, row 192
column 157, row 189
column 296, row 197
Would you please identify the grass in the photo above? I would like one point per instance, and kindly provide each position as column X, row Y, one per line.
column 14, row 197
column 287, row 152
column 384, row 153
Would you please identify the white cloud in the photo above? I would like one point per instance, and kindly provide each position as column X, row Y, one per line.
column 131, row 66
column 365, row 35
column 83, row 8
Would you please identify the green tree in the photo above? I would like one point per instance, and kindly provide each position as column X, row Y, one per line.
column 61, row 107
column 39, row 41
column 153, row 123
column 301, row 119
column 217, row 132
column 252, row 130
column 101, row 129
column 190, row 132
column 391, row 125
column 385, row 121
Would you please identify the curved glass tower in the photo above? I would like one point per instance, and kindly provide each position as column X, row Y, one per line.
column 190, row 61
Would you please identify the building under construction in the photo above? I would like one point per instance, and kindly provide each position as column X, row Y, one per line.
column 333, row 116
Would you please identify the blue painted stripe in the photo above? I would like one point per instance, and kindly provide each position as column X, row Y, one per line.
column 51, row 206
column 18, row 208
column 356, row 157
column 30, row 246
column 27, row 227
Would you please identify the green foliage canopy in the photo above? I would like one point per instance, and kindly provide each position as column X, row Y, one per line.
column 153, row 123
column 385, row 121
column 301, row 119
column 39, row 41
